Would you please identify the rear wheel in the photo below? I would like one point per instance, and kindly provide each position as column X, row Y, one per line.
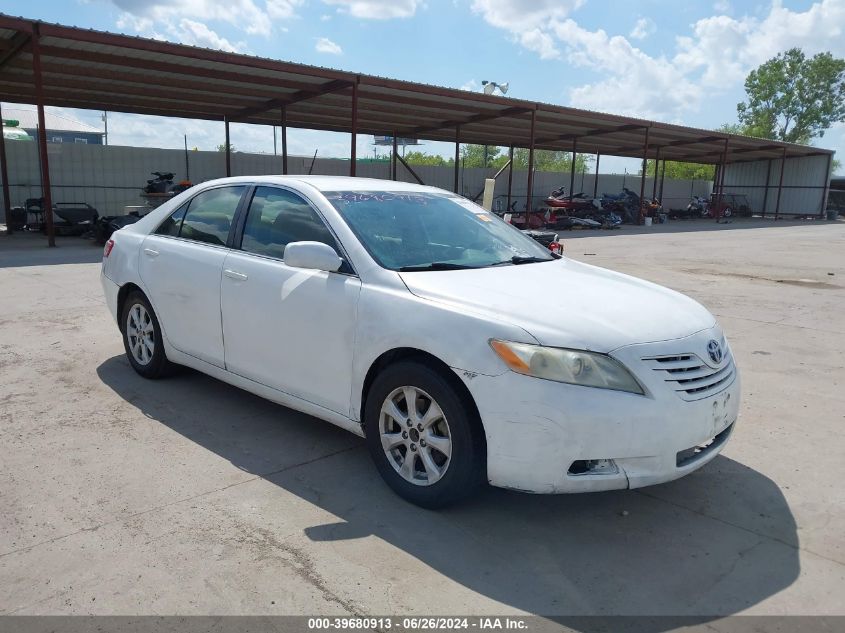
column 423, row 435
column 142, row 337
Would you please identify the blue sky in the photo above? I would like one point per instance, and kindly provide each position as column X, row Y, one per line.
column 681, row 62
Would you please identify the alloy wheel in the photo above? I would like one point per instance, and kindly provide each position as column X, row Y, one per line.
column 415, row 436
column 141, row 334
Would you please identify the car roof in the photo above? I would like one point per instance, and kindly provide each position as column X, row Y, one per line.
column 332, row 183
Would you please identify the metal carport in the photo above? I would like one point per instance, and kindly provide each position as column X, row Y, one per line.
column 51, row 64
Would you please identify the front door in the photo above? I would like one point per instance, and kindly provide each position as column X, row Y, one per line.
column 288, row 328
column 181, row 264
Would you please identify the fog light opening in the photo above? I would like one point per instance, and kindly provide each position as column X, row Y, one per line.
column 593, row 467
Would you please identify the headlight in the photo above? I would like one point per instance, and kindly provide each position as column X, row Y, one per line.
column 566, row 365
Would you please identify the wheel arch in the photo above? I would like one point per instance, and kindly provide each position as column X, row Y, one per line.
column 125, row 290
column 399, row 354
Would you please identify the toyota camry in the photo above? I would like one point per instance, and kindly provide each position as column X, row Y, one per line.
column 462, row 350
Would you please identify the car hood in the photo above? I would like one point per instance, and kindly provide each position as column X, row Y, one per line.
column 565, row 303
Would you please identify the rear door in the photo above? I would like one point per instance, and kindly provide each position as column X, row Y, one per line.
column 288, row 328
column 181, row 264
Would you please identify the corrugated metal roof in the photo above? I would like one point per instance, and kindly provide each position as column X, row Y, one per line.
column 105, row 71
column 28, row 119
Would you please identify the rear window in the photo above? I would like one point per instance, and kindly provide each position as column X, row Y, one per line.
column 210, row 215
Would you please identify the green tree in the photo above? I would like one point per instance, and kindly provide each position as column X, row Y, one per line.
column 552, row 160
column 683, row 171
column 794, row 98
column 222, row 148
column 480, row 155
column 421, row 158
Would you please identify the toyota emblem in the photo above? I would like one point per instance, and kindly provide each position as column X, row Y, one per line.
column 714, row 349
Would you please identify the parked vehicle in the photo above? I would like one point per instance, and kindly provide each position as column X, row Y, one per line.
column 549, row 239
column 698, row 205
column 461, row 349
column 728, row 205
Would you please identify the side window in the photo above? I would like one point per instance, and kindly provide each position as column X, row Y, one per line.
column 277, row 217
column 173, row 223
column 210, row 215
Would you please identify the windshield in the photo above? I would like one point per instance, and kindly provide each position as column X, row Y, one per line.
column 431, row 231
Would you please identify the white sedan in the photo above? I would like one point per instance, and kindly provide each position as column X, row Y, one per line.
column 461, row 349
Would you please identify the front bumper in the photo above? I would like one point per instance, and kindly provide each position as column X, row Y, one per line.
column 537, row 429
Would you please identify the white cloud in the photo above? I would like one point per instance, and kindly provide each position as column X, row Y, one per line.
column 723, row 6
column 718, row 53
column 244, row 15
column 377, row 9
column 325, row 45
column 643, row 28
column 472, row 85
column 198, row 34
column 283, row 9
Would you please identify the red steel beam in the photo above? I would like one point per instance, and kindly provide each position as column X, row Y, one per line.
column 477, row 118
column 302, row 95
column 19, row 42
column 594, row 132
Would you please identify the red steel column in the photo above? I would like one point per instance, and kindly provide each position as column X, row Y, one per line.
column 530, row 194
column 395, row 154
column 596, row 182
column 4, row 174
column 572, row 169
column 457, row 155
column 662, row 178
column 510, row 177
column 766, row 191
column 824, row 191
column 642, row 178
column 722, row 171
column 46, row 191
column 284, row 140
column 354, row 149
column 228, row 148
column 780, row 184
column 654, row 182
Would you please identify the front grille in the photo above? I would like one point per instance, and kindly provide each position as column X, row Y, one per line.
column 690, row 377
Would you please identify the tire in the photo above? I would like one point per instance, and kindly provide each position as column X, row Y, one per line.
column 728, row 212
column 435, row 476
column 144, row 349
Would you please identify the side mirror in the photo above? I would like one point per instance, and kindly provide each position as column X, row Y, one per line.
column 314, row 255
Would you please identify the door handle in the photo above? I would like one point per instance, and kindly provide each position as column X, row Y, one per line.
column 232, row 274
column 150, row 252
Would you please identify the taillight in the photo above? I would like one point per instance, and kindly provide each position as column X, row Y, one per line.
column 108, row 247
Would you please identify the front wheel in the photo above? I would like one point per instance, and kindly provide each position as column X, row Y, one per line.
column 142, row 337
column 423, row 435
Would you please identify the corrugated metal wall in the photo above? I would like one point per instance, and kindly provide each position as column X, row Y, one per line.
column 804, row 182
column 110, row 178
